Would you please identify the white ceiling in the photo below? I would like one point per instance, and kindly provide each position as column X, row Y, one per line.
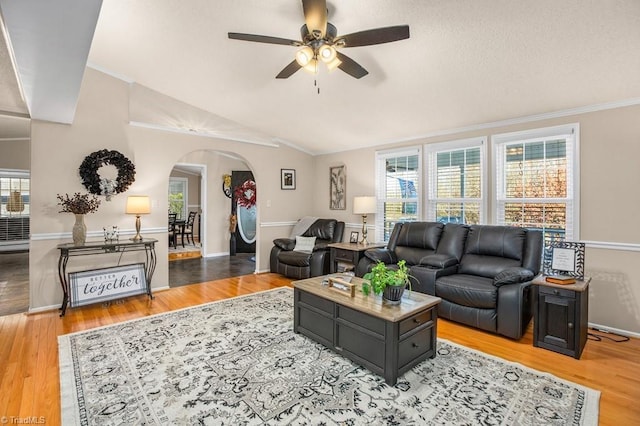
column 467, row 62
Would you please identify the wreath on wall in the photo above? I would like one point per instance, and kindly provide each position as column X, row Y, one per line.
column 246, row 194
column 98, row 185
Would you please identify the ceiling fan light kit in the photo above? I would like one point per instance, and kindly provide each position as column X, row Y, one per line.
column 320, row 42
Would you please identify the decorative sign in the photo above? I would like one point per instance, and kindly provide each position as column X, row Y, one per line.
column 100, row 285
column 564, row 258
column 342, row 286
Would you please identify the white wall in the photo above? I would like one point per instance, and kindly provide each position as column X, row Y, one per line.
column 101, row 122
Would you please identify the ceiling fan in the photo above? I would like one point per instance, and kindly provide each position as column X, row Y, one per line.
column 320, row 42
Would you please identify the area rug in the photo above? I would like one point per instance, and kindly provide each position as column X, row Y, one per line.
column 238, row 361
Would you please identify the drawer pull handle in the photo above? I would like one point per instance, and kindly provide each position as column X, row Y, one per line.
column 415, row 345
column 570, row 325
column 556, row 292
column 417, row 321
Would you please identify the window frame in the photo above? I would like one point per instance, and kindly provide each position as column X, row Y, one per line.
column 185, row 206
column 571, row 132
column 431, row 151
column 381, row 189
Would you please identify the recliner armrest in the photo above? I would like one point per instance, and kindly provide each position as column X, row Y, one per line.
column 321, row 245
column 286, row 244
column 439, row 261
column 381, row 255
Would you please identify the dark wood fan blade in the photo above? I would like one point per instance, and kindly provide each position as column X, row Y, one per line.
column 289, row 70
column 315, row 16
column 375, row 36
column 351, row 67
column 264, row 39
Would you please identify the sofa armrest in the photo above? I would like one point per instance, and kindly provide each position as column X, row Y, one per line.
column 438, row 261
column 423, row 278
column 514, row 309
column 321, row 245
column 286, row 244
column 513, row 275
column 381, row 255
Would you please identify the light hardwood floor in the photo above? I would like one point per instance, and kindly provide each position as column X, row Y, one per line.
column 30, row 383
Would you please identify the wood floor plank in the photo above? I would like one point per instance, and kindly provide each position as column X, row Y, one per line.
column 29, row 374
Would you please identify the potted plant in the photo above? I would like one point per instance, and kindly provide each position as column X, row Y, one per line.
column 390, row 282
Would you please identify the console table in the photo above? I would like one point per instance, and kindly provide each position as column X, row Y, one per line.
column 348, row 252
column 68, row 250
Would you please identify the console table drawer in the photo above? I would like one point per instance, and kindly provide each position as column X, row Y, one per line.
column 415, row 346
column 557, row 292
column 342, row 254
column 415, row 321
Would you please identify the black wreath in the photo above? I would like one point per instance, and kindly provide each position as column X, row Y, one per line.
column 89, row 170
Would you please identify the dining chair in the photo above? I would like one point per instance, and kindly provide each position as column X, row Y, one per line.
column 188, row 228
column 173, row 235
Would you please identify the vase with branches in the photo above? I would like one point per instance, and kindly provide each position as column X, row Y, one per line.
column 78, row 204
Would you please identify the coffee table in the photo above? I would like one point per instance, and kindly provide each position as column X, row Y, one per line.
column 386, row 339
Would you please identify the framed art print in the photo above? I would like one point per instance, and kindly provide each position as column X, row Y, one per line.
column 287, row 179
column 354, row 237
column 564, row 258
column 337, row 188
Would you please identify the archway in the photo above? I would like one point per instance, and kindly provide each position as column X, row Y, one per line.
column 205, row 171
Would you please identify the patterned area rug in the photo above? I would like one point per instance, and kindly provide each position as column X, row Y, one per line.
column 238, row 361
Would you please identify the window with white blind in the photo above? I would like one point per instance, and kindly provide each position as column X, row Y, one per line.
column 455, row 181
column 537, row 180
column 398, row 189
column 15, row 195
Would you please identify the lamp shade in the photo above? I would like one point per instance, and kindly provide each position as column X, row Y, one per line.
column 138, row 204
column 364, row 205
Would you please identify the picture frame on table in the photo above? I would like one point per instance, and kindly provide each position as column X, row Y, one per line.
column 287, row 179
column 564, row 258
column 354, row 237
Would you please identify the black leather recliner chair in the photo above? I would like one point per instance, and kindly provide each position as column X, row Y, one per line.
column 299, row 265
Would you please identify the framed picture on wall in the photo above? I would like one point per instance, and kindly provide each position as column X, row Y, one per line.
column 287, row 179
column 337, row 188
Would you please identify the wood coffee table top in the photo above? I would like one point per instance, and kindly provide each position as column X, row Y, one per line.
column 412, row 301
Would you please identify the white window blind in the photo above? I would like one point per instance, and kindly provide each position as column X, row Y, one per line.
column 178, row 202
column 398, row 189
column 536, row 178
column 15, row 205
column 455, row 181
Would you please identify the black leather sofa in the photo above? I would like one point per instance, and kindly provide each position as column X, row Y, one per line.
column 482, row 273
column 296, row 264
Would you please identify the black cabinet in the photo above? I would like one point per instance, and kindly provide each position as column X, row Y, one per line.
column 561, row 316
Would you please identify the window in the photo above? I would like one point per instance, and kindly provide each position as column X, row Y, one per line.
column 178, row 197
column 455, row 181
column 536, row 180
column 398, row 189
column 15, row 195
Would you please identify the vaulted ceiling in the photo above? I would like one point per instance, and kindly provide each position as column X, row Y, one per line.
column 467, row 62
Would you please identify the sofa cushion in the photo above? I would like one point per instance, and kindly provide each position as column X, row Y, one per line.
column 304, row 244
column 322, row 229
column 294, row 258
column 512, row 276
column 423, row 235
column 285, row 243
column 501, row 241
column 468, row 290
column 413, row 255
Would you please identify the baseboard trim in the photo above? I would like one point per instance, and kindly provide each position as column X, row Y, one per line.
column 607, row 329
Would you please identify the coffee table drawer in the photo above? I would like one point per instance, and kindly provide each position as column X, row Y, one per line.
column 365, row 346
column 416, row 321
column 316, row 323
column 324, row 305
column 368, row 322
column 415, row 346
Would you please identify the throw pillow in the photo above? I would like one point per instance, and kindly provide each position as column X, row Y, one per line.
column 304, row 244
column 512, row 276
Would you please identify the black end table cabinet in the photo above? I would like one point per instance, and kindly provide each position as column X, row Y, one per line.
column 561, row 316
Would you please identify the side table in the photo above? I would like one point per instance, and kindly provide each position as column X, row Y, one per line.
column 348, row 253
column 561, row 316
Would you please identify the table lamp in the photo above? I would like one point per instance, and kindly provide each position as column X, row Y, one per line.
column 138, row 204
column 364, row 206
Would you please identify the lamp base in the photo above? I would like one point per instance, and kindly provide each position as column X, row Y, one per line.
column 364, row 241
column 138, row 237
